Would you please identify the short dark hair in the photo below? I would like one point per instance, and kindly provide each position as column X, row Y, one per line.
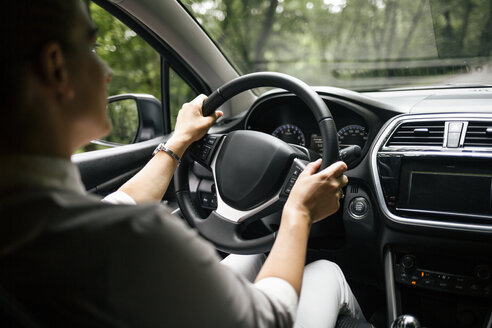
column 26, row 26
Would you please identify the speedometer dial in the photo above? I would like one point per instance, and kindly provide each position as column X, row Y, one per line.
column 290, row 134
column 352, row 135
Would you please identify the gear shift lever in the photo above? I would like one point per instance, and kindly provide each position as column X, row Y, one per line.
column 406, row 321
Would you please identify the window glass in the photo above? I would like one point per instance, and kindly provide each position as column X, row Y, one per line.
column 179, row 93
column 136, row 68
column 355, row 44
column 135, row 64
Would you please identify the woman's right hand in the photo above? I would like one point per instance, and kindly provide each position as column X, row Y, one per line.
column 191, row 125
column 317, row 195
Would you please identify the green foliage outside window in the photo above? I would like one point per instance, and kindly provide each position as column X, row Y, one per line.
column 135, row 64
column 136, row 69
column 179, row 93
column 356, row 44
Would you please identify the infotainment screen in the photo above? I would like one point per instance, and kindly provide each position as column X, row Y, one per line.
column 454, row 187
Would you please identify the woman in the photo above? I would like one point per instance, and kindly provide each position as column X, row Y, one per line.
column 71, row 259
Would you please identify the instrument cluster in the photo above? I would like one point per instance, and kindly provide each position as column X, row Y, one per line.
column 289, row 119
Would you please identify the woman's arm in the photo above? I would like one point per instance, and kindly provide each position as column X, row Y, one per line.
column 314, row 197
column 150, row 183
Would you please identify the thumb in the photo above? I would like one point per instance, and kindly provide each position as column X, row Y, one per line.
column 312, row 167
column 215, row 116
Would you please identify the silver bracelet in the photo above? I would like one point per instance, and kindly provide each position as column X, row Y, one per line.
column 163, row 148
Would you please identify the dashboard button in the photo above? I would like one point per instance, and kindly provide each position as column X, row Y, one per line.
column 358, row 207
column 427, row 282
column 460, row 280
column 408, row 261
column 442, row 284
column 474, row 287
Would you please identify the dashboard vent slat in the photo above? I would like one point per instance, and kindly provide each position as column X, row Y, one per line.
column 430, row 134
column 479, row 134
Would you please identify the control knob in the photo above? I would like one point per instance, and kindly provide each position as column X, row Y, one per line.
column 406, row 321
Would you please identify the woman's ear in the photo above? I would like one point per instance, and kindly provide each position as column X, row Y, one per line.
column 54, row 71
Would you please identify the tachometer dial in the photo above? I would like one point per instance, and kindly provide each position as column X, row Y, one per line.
column 352, row 135
column 290, row 134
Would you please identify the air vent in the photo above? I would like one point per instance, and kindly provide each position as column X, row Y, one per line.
column 418, row 134
column 479, row 134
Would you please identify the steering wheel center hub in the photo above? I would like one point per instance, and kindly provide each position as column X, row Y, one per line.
column 251, row 168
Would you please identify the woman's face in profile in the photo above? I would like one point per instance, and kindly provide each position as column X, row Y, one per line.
column 89, row 76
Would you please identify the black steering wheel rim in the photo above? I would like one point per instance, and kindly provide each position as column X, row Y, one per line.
column 216, row 228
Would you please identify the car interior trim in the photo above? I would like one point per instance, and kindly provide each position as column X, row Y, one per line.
column 390, row 286
column 489, row 322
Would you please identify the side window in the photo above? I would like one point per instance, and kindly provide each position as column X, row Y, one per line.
column 179, row 93
column 136, row 68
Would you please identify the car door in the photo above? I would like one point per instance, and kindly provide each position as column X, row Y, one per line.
column 149, row 84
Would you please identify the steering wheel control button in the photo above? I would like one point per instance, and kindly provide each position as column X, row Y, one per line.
column 290, row 185
column 211, row 140
column 294, row 172
column 205, row 199
column 204, row 153
column 213, row 201
column 203, row 149
column 208, row 200
column 359, row 207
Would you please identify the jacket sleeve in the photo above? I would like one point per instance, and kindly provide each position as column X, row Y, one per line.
column 161, row 273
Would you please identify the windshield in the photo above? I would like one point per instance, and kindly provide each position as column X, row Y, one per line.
column 355, row 44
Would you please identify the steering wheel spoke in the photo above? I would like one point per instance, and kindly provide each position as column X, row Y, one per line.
column 227, row 235
column 204, row 149
column 297, row 167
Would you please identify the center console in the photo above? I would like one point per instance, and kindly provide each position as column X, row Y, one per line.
column 434, row 173
column 442, row 290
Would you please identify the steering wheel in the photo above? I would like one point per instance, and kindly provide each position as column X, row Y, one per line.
column 253, row 171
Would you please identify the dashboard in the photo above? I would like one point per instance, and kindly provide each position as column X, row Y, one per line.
column 419, row 197
column 416, row 220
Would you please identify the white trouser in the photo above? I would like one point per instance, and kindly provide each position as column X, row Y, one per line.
column 324, row 294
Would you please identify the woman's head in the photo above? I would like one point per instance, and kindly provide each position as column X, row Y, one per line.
column 27, row 26
column 51, row 78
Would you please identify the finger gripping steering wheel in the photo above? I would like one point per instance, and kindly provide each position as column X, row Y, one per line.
column 253, row 172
